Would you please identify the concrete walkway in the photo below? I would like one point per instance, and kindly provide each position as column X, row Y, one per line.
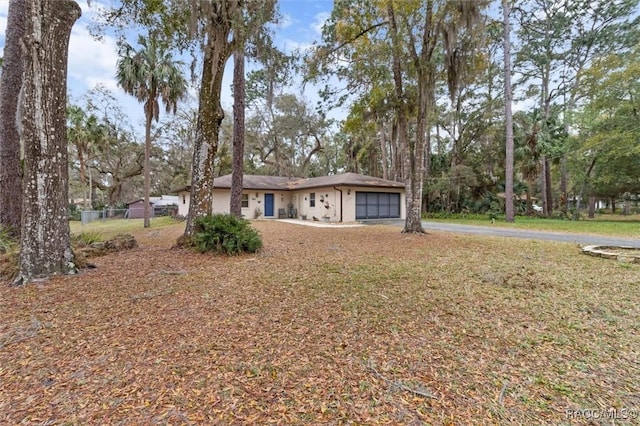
column 321, row 224
column 497, row 231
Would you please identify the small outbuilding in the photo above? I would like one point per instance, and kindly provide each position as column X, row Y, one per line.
column 135, row 209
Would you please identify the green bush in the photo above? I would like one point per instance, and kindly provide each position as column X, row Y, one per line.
column 225, row 233
column 74, row 212
column 86, row 238
column 7, row 243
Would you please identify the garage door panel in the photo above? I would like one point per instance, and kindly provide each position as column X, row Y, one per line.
column 377, row 205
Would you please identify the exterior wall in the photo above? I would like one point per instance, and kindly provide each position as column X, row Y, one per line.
column 327, row 204
column 184, row 197
column 222, row 198
column 136, row 210
column 256, row 209
column 299, row 201
column 281, row 200
column 349, row 211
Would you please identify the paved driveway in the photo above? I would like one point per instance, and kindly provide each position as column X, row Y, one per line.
column 497, row 231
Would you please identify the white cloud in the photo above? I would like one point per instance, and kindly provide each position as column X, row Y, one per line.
column 91, row 57
column 286, row 21
column 289, row 45
column 318, row 22
column 108, row 83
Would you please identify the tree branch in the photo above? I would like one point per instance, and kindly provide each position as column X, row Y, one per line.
column 357, row 36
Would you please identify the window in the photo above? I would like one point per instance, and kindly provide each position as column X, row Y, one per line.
column 245, row 201
column 312, row 199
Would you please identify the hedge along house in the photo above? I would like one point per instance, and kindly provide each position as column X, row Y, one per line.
column 346, row 197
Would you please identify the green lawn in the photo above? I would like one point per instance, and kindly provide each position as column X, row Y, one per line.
column 110, row 227
column 615, row 225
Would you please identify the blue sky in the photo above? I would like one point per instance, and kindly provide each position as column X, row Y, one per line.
column 93, row 62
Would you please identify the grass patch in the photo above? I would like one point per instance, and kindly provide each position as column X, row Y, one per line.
column 613, row 225
column 86, row 238
column 111, row 227
column 326, row 326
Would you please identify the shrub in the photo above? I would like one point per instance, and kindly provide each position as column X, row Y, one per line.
column 86, row 238
column 225, row 233
column 9, row 252
column 7, row 242
column 74, row 212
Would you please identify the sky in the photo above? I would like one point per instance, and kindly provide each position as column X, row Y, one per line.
column 93, row 62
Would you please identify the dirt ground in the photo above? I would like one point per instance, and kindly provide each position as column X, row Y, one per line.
column 326, row 326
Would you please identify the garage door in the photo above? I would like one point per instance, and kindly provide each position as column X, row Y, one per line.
column 377, row 205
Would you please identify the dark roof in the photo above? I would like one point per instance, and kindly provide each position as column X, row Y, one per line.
column 346, row 179
column 259, row 182
column 138, row 200
column 256, row 182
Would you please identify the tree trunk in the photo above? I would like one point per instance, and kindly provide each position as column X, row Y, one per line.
column 564, row 178
column 548, row 186
column 10, row 84
column 412, row 168
column 508, row 193
column 147, row 166
column 543, row 186
column 384, row 157
column 238, row 133
column 592, row 207
column 45, row 245
column 414, row 161
column 210, row 116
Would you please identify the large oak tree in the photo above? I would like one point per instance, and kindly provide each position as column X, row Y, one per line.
column 45, row 245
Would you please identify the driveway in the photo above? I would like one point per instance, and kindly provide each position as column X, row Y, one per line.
column 497, row 231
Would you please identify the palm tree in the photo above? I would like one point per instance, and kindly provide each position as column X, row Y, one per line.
column 85, row 132
column 150, row 74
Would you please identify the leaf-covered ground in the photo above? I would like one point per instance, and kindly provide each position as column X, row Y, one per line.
column 327, row 326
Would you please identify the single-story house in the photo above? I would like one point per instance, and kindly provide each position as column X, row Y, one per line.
column 346, row 197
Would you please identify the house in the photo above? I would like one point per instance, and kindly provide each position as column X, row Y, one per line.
column 346, row 197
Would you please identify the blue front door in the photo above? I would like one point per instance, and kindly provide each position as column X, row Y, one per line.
column 268, row 205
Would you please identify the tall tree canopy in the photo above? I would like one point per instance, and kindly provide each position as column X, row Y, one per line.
column 425, row 42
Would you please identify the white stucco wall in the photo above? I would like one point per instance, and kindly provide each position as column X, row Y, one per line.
column 330, row 197
column 184, row 198
column 222, row 198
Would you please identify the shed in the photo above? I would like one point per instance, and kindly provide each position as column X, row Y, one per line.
column 135, row 209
